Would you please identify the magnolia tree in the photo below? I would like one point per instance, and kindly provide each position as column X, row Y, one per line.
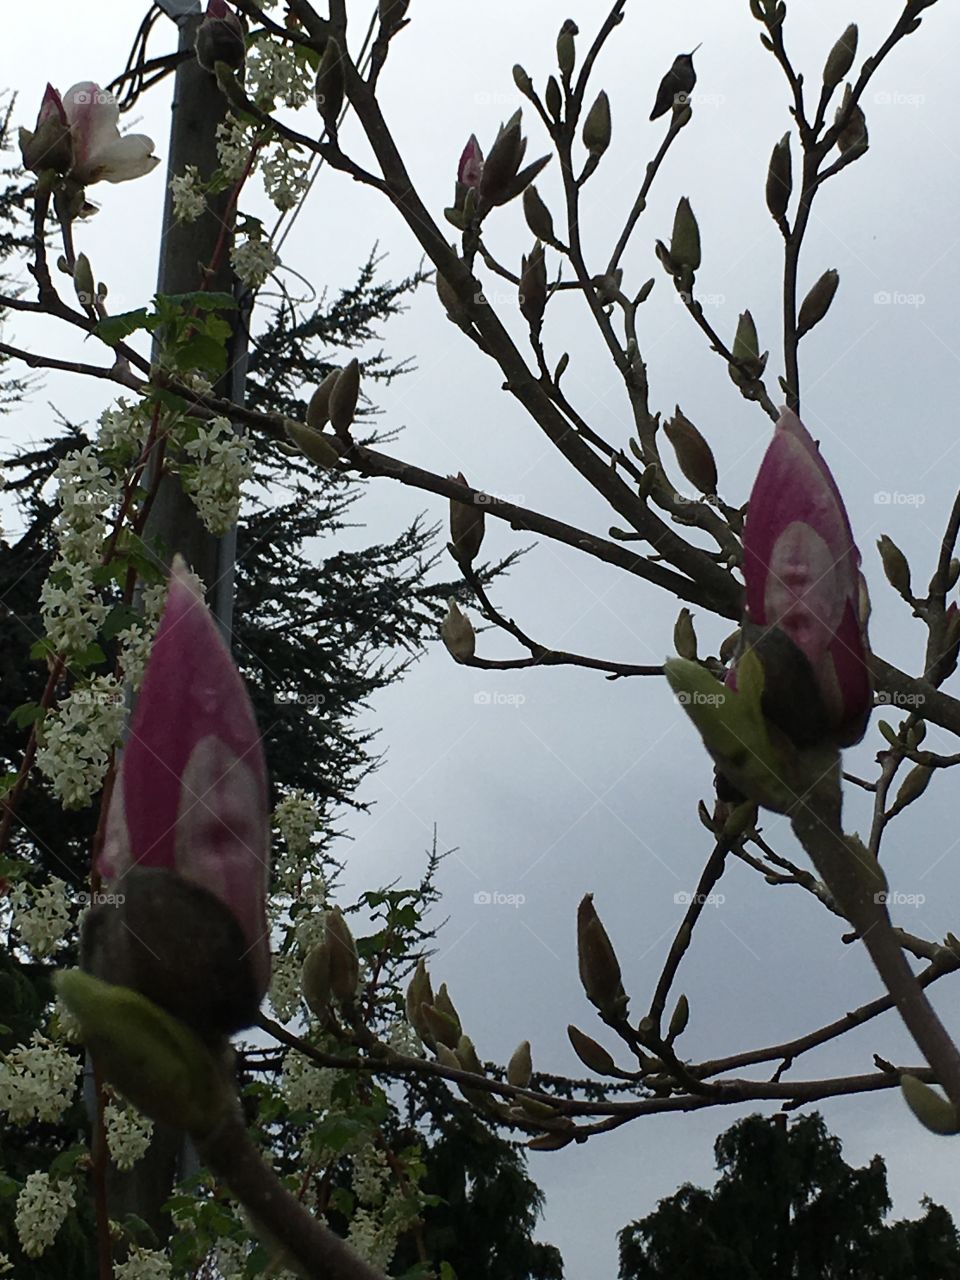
column 182, row 844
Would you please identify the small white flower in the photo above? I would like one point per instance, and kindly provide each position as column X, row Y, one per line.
column 189, row 197
column 128, row 1134
column 41, row 916
column 143, row 1264
column 76, row 740
column 253, row 260
column 42, row 1207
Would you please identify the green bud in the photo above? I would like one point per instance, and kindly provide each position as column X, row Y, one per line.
column 694, row 455
column 593, row 1056
column 550, row 1142
column 533, row 287
column 501, row 165
column 520, row 1066
column 953, row 573
column 684, row 636
column 912, row 787
column 739, row 820
column 597, row 128
column 83, row 281
column 344, row 961
column 561, row 367
column 467, row 526
column 746, row 346
column 455, row 309
column 553, row 98
column 312, row 444
column 150, row 1056
column 329, row 87
column 445, row 1005
column 817, row 302
column 343, row 398
column 315, row 979
column 895, row 566
column 538, row 216
column 441, row 1028
column 566, row 48
column 447, row 1058
column 392, row 13
column 933, row 1110
column 643, row 293
column 888, row 732
column 536, row 1109
column 599, row 968
column 457, row 633
column 840, row 59
column 663, row 256
column 318, row 410
column 685, row 241
column 780, row 178
column 467, row 1056
column 679, row 1019
column 522, row 81
column 419, row 992
column 853, row 140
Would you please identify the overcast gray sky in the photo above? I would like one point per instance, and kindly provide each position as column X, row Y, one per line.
column 557, row 782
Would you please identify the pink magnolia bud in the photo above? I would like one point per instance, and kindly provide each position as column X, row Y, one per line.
column 220, row 37
column 190, row 805
column 470, row 168
column 801, row 568
column 49, row 146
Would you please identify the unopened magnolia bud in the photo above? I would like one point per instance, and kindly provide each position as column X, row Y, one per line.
column 419, row 992
column 392, row 13
column 746, row 346
column 329, row 86
column 83, row 281
column 895, row 566
column 679, row 1019
column 550, row 1142
column 520, row 1066
column 457, row 634
column 912, row 787
column 566, row 48
column 467, row 1056
column 344, row 961
column 597, row 128
column 693, row 453
column 685, row 241
column 454, row 308
column 533, row 287
column 593, row 1056
column 553, row 98
column 312, row 444
column 780, row 178
column 817, row 302
column 853, row 139
column 536, row 1109
column 522, row 81
column 441, row 1027
column 663, row 256
column 933, row 1110
column 538, row 216
column 953, row 573
column 684, row 636
column 502, row 163
column 599, row 968
column 315, row 979
column 343, row 398
column 466, row 526
column 447, row 1058
column 220, row 38
column 840, row 59
column 729, row 646
column 445, row 1005
column 318, row 410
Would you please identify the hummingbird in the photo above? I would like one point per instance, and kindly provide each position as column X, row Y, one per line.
column 680, row 79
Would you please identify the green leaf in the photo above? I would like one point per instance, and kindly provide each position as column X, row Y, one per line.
column 200, row 300
column 201, row 352
column 343, row 1199
column 67, row 1160
column 42, row 648
column 25, row 715
column 120, row 617
column 114, row 329
column 91, row 656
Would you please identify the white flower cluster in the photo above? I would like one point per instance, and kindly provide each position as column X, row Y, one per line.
column 189, row 196
column 285, row 174
column 136, row 641
column 122, row 431
column 6, row 1266
column 234, row 144
column 274, row 71
column 70, row 604
column 297, row 819
column 220, row 462
column 285, row 994
column 402, row 1038
column 76, row 740
column 37, row 1080
column 143, row 1264
column 253, row 260
column 306, row 1087
column 371, row 1173
column 128, row 1134
column 376, row 1241
column 41, row 916
column 42, row 1206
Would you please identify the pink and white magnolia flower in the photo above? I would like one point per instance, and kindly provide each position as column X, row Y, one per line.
column 470, row 167
column 190, row 797
column 802, row 573
column 100, row 152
